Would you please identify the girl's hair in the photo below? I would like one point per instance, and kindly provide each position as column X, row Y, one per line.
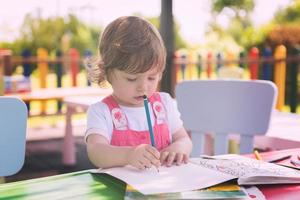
column 129, row 44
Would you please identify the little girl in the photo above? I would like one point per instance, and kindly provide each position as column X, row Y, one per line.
column 133, row 60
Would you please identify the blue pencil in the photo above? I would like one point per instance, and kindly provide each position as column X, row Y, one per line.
column 149, row 121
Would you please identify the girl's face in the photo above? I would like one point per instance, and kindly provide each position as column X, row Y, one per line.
column 128, row 89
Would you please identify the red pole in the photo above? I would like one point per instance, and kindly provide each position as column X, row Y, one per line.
column 253, row 56
column 209, row 64
column 74, row 65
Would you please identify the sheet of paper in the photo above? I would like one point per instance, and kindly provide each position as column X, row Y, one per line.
column 169, row 179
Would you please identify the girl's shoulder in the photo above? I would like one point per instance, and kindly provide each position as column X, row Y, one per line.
column 99, row 107
column 98, row 104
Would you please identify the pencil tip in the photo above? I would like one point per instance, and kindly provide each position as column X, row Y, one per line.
column 144, row 96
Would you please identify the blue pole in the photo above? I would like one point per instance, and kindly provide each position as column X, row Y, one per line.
column 266, row 68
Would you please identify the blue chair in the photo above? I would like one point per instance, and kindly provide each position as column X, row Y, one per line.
column 223, row 107
column 13, row 123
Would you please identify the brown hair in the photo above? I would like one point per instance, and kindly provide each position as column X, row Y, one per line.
column 129, row 44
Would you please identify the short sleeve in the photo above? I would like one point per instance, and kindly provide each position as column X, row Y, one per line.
column 174, row 120
column 99, row 121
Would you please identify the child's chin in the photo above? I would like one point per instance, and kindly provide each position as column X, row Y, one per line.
column 137, row 104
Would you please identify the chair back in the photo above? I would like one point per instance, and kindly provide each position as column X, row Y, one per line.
column 225, row 107
column 13, row 123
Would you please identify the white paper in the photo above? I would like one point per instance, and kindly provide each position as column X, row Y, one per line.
column 181, row 178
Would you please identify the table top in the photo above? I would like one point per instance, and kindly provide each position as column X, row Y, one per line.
column 284, row 122
column 60, row 93
column 82, row 102
column 85, row 185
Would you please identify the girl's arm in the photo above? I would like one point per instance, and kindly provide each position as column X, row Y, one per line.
column 180, row 149
column 104, row 155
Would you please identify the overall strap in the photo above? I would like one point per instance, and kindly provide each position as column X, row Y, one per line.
column 157, row 107
column 110, row 102
column 118, row 116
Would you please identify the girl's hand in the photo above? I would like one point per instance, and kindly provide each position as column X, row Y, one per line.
column 143, row 156
column 179, row 151
column 169, row 156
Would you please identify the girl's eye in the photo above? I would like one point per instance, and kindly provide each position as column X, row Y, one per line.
column 131, row 79
column 151, row 78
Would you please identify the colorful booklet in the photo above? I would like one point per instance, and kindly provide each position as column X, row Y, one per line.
column 222, row 191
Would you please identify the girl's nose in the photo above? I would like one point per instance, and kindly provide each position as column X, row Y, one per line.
column 142, row 86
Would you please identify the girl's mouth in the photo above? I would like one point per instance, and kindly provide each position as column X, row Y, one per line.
column 139, row 98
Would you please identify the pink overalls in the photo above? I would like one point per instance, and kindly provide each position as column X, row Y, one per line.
column 123, row 136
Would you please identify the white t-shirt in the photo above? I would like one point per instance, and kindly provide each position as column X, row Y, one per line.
column 99, row 120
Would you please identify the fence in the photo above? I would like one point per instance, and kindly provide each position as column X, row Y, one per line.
column 279, row 65
column 44, row 63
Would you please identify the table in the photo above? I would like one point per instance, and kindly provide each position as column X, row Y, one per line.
column 58, row 93
column 84, row 185
column 284, row 132
column 284, row 129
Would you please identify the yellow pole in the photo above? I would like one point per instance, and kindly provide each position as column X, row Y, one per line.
column 230, row 59
column 190, row 65
column 280, row 74
column 42, row 56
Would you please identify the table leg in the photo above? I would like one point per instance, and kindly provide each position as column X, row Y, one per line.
column 69, row 151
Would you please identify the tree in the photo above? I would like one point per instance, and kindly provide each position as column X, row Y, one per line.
column 48, row 33
column 286, row 26
column 289, row 15
column 179, row 41
column 241, row 8
column 288, row 35
column 238, row 12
